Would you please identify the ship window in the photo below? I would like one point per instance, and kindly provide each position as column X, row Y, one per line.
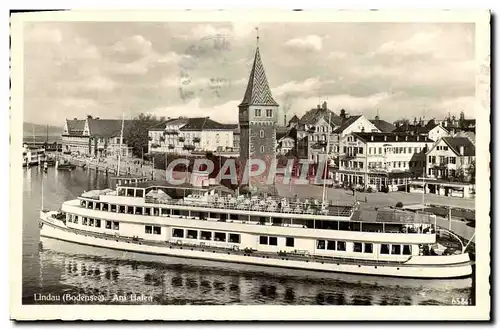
column 121, row 209
column 139, row 193
column 176, row 212
column 116, row 225
column 407, row 249
column 105, row 206
column 91, row 222
column 221, row 237
column 357, row 247
column 113, row 208
column 340, row 246
column 321, row 244
column 98, row 223
column 273, row 241
column 90, row 205
column 384, row 249
column 82, row 203
column 84, row 221
column 368, row 248
column 263, row 240
column 330, row 245
column 75, row 220
column 343, row 225
column 164, row 211
column 130, row 209
column 157, row 230
column 108, row 224
column 147, row 211
column 130, row 192
column 178, row 232
column 156, row 212
column 233, row 216
column 97, row 206
column 192, row 234
column 148, row 229
column 290, row 241
column 202, row 216
column 396, row 249
column 206, row 235
column 234, row 238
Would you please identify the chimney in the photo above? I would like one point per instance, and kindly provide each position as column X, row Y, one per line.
column 342, row 114
column 324, row 105
column 462, row 150
column 285, row 119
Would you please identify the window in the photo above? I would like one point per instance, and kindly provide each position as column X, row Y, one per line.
column 147, row 211
column 263, row 240
column 360, row 150
column 108, row 224
column 396, row 249
column 76, row 219
column 341, row 246
column 121, row 209
column 257, row 112
column 380, row 150
column 330, row 245
column 91, row 222
column 273, row 241
column 290, row 241
column 148, row 230
column 206, row 235
column 192, row 234
column 84, row 221
column 157, row 230
column 384, row 249
column 139, row 193
column 220, row 237
column 452, row 160
column 116, row 225
column 368, row 248
column 407, row 249
column 358, row 247
column 320, row 244
column 269, row 112
column 261, row 148
column 98, row 223
column 261, row 133
column 176, row 232
column 234, row 238
column 113, row 208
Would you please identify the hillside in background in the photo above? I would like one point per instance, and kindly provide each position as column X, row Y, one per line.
column 41, row 130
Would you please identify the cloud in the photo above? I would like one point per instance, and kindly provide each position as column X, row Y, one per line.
column 293, row 87
column 311, row 43
column 225, row 112
column 41, row 33
column 136, row 45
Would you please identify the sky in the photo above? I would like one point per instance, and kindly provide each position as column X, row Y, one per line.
column 106, row 69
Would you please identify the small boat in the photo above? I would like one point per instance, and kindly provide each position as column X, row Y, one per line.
column 65, row 166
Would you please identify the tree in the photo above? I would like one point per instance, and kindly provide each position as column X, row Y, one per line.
column 136, row 133
column 472, row 171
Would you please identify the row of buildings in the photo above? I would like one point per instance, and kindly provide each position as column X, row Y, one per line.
column 358, row 150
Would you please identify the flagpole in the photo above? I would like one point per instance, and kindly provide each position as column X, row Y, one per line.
column 120, row 151
column 326, row 157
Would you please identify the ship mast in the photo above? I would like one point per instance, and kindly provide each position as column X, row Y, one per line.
column 326, row 158
column 120, row 151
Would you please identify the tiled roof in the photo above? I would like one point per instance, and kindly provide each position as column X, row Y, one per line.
column 390, row 137
column 313, row 115
column 383, row 125
column 348, row 122
column 415, row 129
column 107, row 128
column 205, row 123
column 176, row 121
column 75, row 126
column 282, row 132
column 456, row 142
column 294, row 119
column 258, row 91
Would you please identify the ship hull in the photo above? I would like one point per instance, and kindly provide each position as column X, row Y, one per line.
column 459, row 265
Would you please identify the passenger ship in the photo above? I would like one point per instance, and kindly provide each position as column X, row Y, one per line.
column 209, row 222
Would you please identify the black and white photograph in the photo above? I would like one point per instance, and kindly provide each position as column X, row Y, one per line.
column 252, row 162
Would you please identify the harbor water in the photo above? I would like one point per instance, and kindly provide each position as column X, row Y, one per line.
column 54, row 268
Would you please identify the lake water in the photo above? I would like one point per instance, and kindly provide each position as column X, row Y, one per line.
column 58, row 268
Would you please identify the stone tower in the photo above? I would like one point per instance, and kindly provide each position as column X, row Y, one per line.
column 258, row 118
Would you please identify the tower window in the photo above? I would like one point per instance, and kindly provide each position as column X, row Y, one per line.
column 269, row 112
column 261, row 148
column 261, row 133
column 257, row 112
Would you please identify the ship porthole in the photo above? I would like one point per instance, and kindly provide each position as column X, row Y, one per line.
column 375, row 267
column 359, row 265
column 228, row 253
column 398, row 268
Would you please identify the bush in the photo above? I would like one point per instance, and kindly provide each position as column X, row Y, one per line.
column 399, row 204
column 369, row 190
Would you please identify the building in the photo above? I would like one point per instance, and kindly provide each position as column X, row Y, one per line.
column 258, row 118
column 286, row 137
column 378, row 160
column 382, row 125
column 451, row 158
column 236, row 139
column 95, row 137
column 184, row 135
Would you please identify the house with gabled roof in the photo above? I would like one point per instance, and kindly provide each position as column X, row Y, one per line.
column 95, row 137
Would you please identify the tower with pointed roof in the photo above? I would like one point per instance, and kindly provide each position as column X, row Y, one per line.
column 258, row 118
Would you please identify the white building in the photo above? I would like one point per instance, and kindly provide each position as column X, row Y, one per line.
column 184, row 135
column 381, row 159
